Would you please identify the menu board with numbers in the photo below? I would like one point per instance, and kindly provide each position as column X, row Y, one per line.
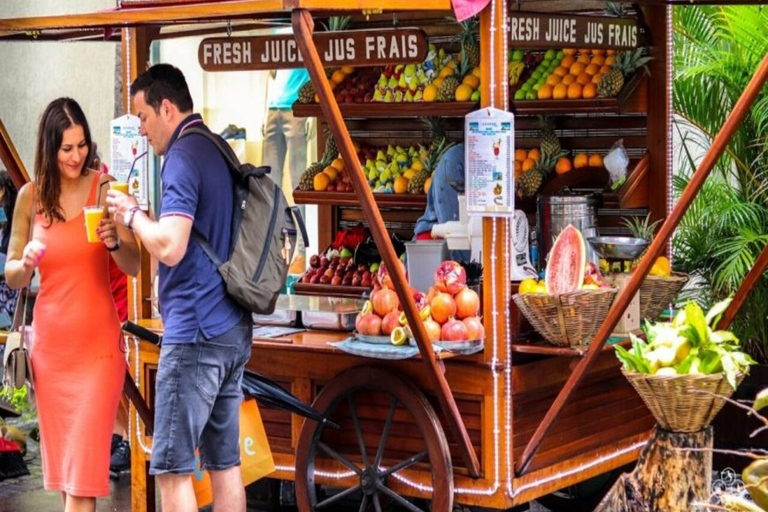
column 489, row 140
column 129, row 157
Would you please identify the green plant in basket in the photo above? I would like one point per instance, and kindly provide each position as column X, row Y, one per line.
column 689, row 345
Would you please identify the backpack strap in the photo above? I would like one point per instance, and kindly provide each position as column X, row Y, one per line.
column 300, row 224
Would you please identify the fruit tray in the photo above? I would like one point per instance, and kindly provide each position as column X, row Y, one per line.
column 356, row 292
column 456, row 347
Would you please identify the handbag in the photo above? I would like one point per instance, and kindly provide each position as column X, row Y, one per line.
column 17, row 365
column 255, row 455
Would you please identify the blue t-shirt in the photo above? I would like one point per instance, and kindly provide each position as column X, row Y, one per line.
column 197, row 184
column 284, row 91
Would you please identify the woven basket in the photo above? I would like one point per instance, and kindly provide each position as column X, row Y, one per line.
column 657, row 293
column 682, row 403
column 568, row 319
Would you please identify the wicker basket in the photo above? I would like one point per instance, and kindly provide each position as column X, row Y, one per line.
column 568, row 319
column 657, row 292
column 682, row 403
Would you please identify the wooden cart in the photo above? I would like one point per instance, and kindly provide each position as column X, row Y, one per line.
column 496, row 429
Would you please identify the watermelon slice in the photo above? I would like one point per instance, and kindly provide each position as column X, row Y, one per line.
column 566, row 262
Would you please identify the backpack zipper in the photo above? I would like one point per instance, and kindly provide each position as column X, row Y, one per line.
column 270, row 234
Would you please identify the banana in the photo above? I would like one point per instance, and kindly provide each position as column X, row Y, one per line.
column 515, row 70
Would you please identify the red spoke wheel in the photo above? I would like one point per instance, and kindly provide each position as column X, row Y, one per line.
column 391, row 445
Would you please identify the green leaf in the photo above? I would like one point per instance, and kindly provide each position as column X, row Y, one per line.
column 628, row 360
column 684, row 368
column 711, row 362
column 716, row 311
column 730, row 369
column 695, row 319
column 724, row 337
column 680, row 318
column 761, row 400
column 638, row 353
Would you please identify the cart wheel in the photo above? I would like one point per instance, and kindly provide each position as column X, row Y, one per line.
column 365, row 441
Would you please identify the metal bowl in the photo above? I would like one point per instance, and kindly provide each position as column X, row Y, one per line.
column 618, row 247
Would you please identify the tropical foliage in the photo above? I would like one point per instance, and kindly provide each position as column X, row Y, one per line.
column 717, row 49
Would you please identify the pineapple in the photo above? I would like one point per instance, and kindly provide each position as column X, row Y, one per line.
column 470, row 43
column 530, row 181
column 641, row 227
column 417, row 184
column 550, row 144
column 626, row 64
column 616, row 9
column 331, row 149
column 307, row 93
column 436, row 126
column 306, row 182
column 447, row 91
column 337, row 23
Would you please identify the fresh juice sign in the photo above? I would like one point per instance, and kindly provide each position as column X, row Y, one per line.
column 534, row 30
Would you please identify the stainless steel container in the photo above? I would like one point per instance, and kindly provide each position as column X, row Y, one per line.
column 329, row 320
column 554, row 213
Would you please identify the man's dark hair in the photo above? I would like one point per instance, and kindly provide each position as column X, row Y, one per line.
column 163, row 82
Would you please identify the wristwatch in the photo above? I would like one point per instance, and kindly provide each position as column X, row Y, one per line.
column 114, row 247
column 129, row 215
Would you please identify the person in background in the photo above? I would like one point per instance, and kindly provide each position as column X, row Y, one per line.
column 286, row 135
column 120, row 451
column 207, row 335
column 442, row 198
column 8, row 295
column 77, row 359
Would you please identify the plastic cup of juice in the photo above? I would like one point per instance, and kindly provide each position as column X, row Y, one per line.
column 119, row 186
column 93, row 215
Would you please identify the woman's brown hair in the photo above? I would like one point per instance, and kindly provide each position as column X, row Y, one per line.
column 59, row 115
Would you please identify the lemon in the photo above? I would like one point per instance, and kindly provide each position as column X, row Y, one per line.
column 367, row 308
column 527, row 286
column 398, row 337
column 402, row 319
column 425, row 312
column 661, row 267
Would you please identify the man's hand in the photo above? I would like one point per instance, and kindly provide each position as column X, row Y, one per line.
column 118, row 204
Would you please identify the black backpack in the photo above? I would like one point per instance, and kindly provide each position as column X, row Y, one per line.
column 263, row 233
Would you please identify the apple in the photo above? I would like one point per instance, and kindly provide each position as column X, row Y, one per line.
column 336, row 280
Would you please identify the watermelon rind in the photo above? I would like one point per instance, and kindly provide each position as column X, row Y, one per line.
column 566, row 262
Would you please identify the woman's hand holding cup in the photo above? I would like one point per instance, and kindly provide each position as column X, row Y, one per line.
column 107, row 232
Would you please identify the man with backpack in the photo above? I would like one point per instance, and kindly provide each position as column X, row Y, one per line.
column 207, row 334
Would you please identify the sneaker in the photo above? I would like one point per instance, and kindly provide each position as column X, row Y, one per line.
column 121, row 457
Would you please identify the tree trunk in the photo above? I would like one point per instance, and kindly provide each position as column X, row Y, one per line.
column 673, row 471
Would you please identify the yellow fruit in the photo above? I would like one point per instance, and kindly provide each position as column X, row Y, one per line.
column 463, row 92
column 416, row 166
column 661, row 267
column 331, row 171
column 472, row 81
column 477, row 72
column 590, row 286
column 410, row 173
column 425, row 312
column 437, row 82
column 321, row 181
column 367, row 308
column 347, row 70
column 541, row 288
column 338, row 76
column 446, row 71
column 398, row 336
column 427, row 184
column 403, row 319
column 338, row 164
column 451, row 64
column 401, row 185
column 527, row 286
column 430, row 92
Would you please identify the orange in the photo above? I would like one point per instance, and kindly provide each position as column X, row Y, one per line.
column 661, row 267
column 446, row 71
column 534, row 154
column 472, row 81
column 574, row 91
column 576, row 69
column 437, row 82
column 430, row 93
column 518, row 169
column 598, row 52
column 338, row 76
column 560, row 92
column 563, row 165
column 580, row 160
column 520, row 155
column 589, row 91
column 528, row 164
column 569, row 51
column 598, row 60
column 596, row 79
column 583, row 59
column 401, row 185
column 321, row 181
column 568, row 79
column 338, row 164
column 477, row 72
column 331, row 171
column 545, row 92
column 347, row 70
column 568, row 61
column 595, row 160
column 610, row 52
column 553, row 80
column 605, row 68
column 583, row 79
column 463, row 92
column 560, row 70
column 610, row 61
column 592, row 69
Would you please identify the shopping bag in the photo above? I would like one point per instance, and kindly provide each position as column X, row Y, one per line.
column 255, row 456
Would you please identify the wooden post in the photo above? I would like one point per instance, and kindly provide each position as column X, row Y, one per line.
column 672, row 473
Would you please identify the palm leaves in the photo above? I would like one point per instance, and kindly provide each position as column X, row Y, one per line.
column 717, row 49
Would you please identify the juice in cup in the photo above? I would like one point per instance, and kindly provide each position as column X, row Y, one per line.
column 93, row 215
column 119, row 186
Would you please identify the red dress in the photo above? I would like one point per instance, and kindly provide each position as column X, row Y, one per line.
column 77, row 358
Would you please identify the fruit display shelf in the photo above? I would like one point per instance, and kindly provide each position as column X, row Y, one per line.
column 350, row 199
column 329, row 290
column 578, row 106
column 391, row 110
